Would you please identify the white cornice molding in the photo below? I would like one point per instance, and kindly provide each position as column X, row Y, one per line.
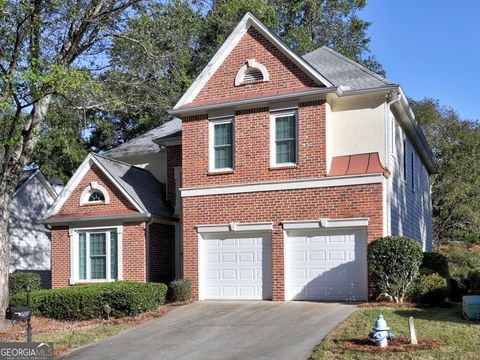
column 325, row 223
column 235, row 227
column 284, row 185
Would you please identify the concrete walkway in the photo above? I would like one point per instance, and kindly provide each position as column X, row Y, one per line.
column 225, row 330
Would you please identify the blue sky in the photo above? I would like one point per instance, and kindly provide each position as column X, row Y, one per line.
column 431, row 48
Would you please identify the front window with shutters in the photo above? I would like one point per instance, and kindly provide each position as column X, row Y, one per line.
column 284, row 138
column 221, row 145
column 97, row 255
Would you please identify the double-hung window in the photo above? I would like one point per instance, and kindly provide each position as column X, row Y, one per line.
column 221, row 145
column 284, row 138
column 96, row 255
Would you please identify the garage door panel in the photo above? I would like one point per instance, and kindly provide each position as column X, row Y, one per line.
column 332, row 267
column 236, row 267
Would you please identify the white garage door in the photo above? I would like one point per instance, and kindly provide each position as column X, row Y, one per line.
column 326, row 265
column 236, row 266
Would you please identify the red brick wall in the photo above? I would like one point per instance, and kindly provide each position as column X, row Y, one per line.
column 134, row 254
column 252, row 148
column 118, row 203
column 161, row 253
column 283, row 73
column 277, row 206
column 174, row 159
column 60, row 256
column 134, row 251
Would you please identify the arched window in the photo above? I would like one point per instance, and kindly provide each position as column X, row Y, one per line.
column 94, row 193
column 96, row 196
column 252, row 71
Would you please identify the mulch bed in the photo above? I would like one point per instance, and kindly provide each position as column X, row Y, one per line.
column 399, row 344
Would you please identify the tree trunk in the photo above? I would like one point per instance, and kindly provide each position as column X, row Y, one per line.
column 17, row 157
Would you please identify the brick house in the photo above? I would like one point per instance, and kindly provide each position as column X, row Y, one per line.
column 279, row 171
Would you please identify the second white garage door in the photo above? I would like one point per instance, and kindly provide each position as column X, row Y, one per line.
column 326, row 265
column 236, row 266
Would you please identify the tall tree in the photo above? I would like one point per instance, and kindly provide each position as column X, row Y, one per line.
column 45, row 47
column 456, row 188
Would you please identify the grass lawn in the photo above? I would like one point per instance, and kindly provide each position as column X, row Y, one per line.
column 460, row 338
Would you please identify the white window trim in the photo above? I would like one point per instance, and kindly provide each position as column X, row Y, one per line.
column 211, row 142
column 251, row 63
column 74, row 254
column 92, row 187
column 273, row 148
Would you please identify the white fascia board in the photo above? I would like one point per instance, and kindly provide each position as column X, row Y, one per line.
column 234, row 227
column 284, row 185
column 71, row 185
column 324, row 223
column 230, row 43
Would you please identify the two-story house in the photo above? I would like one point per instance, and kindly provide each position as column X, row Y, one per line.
column 287, row 167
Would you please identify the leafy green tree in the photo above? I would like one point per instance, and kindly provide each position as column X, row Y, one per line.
column 47, row 50
column 456, row 188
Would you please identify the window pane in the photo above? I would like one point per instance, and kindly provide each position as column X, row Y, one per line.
column 98, row 244
column 285, row 127
column 223, row 134
column 96, row 196
column 113, row 255
column 285, row 151
column 82, row 256
column 223, row 157
column 98, row 267
column 98, row 258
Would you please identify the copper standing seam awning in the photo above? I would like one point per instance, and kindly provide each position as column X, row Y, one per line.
column 357, row 164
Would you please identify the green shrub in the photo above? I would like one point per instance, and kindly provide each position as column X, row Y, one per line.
column 473, row 281
column 434, row 263
column 393, row 263
column 457, row 288
column 19, row 280
column 429, row 289
column 87, row 301
column 181, row 290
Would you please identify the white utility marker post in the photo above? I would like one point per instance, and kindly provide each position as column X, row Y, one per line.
column 413, row 333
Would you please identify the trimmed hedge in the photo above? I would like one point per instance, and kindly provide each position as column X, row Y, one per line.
column 473, row 281
column 87, row 301
column 429, row 289
column 19, row 280
column 434, row 263
column 181, row 290
column 393, row 263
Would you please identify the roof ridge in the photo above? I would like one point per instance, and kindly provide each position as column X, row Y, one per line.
column 356, row 64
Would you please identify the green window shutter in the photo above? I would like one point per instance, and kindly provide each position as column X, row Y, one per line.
column 82, row 256
column 113, row 255
column 223, row 145
column 98, row 256
column 285, row 139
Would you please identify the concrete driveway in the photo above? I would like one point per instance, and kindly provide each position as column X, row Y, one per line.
column 225, row 330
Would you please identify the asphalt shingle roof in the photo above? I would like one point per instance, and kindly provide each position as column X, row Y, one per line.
column 140, row 184
column 144, row 144
column 340, row 70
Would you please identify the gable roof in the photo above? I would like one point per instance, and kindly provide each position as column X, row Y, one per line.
column 145, row 143
column 217, row 60
column 342, row 71
column 27, row 175
column 138, row 185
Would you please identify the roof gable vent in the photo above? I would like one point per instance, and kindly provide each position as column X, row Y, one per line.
column 251, row 71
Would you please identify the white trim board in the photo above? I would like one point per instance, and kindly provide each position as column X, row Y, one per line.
column 230, row 43
column 323, row 223
column 77, row 178
column 234, row 227
column 284, row 185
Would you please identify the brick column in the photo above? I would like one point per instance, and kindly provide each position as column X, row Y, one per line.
column 278, row 264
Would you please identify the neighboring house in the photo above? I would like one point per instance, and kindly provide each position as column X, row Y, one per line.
column 30, row 240
column 288, row 167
